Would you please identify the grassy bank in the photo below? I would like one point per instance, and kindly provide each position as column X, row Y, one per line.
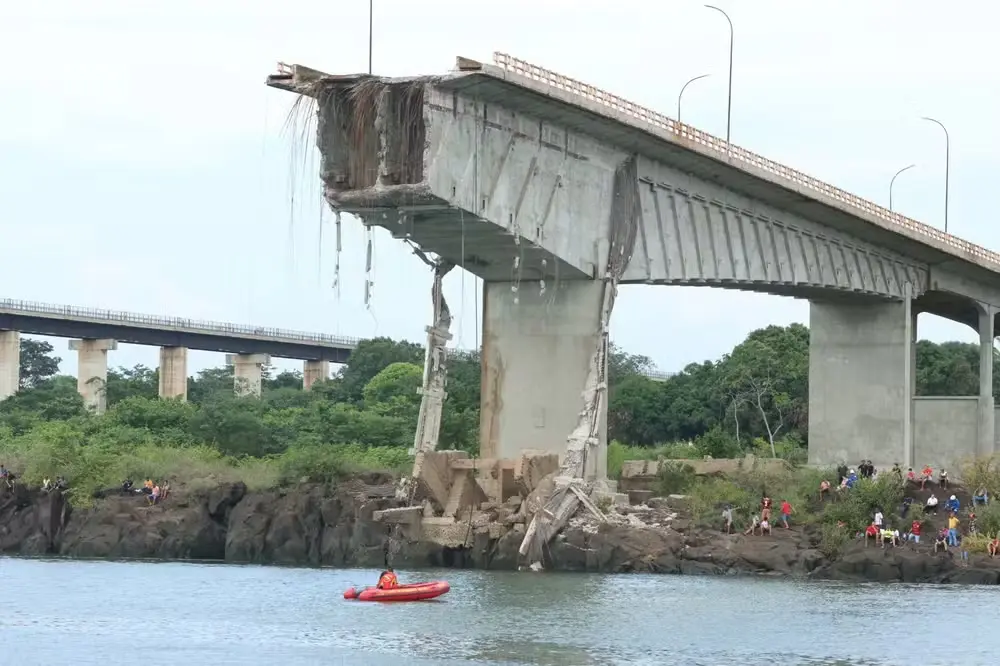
column 91, row 463
column 839, row 517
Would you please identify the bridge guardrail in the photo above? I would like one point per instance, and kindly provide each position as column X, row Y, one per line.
column 729, row 153
column 168, row 323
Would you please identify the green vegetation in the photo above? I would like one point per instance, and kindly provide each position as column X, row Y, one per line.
column 752, row 400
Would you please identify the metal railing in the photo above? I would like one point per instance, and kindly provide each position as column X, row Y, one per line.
column 172, row 323
column 730, row 153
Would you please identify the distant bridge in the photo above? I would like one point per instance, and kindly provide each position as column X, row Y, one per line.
column 68, row 321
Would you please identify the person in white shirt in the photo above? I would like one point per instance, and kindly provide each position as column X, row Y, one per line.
column 878, row 518
column 932, row 504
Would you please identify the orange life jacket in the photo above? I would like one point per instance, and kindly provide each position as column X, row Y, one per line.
column 388, row 580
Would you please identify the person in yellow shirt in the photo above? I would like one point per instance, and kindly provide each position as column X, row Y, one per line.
column 953, row 523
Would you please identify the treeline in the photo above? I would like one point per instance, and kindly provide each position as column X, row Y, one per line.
column 754, row 397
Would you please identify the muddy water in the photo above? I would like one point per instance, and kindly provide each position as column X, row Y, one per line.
column 104, row 612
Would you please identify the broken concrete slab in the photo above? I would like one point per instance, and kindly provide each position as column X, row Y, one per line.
column 406, row 515
column 433, row 474
column 465, row 493
column 533, row 466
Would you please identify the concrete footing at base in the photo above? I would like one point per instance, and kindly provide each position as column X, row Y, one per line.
column 538, row 347
column 314, row 371
column 10, row 363
column 92, row 371
column 247, row 373
column 173, row 373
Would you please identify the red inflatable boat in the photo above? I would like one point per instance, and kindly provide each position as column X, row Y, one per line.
column 412, row 592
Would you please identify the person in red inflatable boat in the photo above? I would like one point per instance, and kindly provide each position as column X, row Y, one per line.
column 387, row 580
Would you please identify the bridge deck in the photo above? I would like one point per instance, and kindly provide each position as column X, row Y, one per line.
column 522, row 86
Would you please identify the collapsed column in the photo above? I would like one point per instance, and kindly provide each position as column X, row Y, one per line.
column 861, row 382
column 92, row 372
column 536, row 357
column 173, row 372
column 10, row 363
column 247, row 373
column 314, row 371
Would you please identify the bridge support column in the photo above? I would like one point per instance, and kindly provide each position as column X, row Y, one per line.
column 314, row 371
column 10, row 363
column 536, row 357
column 861, row 380
column 92, row 372
column 986, row 402
column 247, row 373
column 173, row 372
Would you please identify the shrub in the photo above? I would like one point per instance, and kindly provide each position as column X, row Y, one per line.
column 675, row 478
column 833, row 540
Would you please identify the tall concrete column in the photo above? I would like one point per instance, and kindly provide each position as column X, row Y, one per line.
column 247, row 373
column 314, row 371
column 10, row 363
column 536, row 356
column 861, row 382
column 986, row 402
column 173, row 372
column 92, row 373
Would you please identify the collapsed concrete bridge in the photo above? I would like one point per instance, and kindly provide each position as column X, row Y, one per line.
column 555, row 192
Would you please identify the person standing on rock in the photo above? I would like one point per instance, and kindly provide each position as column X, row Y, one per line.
column 878, row 518
column 765, row 508
column 727, row 518
column 786, row 511
column 841, row 473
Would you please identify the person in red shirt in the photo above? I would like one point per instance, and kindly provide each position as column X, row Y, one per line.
column 915, row 532
column 786, row 511
column 926, row 475
column 871, row 532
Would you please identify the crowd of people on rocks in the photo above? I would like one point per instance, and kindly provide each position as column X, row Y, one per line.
column 154, row 492
column 879, row 532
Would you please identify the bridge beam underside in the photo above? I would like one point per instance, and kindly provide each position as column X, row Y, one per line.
column 537, row 352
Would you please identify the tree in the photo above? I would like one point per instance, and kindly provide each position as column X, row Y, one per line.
column 37, row 363
column 131, row 382
column 393, row 391
column 369, row 358
column 754, row 377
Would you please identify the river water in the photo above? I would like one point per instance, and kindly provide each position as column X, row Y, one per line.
column 110, row 612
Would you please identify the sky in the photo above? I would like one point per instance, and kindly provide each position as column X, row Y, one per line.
column 145, row 166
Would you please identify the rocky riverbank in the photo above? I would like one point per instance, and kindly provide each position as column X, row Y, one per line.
column 313, row 525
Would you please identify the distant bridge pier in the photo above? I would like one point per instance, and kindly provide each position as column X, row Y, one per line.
column 10, row 363
column 247, row 373
column 173, row 373
column 314, row 371
column 536, row 357
column 92, row 373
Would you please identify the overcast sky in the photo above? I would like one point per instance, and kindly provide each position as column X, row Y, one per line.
column 144, row 166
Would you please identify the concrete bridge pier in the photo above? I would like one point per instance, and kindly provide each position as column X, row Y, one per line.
column 247, row 373
column 92, row 372
column 173, row 372
column 314, row 371
column 10, row 363
column 861, row 382
column 987, row 425
column 537, row 352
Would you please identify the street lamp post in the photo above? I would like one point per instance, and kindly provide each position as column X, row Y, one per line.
column 681, row 94
column 371, row 24
column 893, row 182
column 947, row 166
column 729, row 103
